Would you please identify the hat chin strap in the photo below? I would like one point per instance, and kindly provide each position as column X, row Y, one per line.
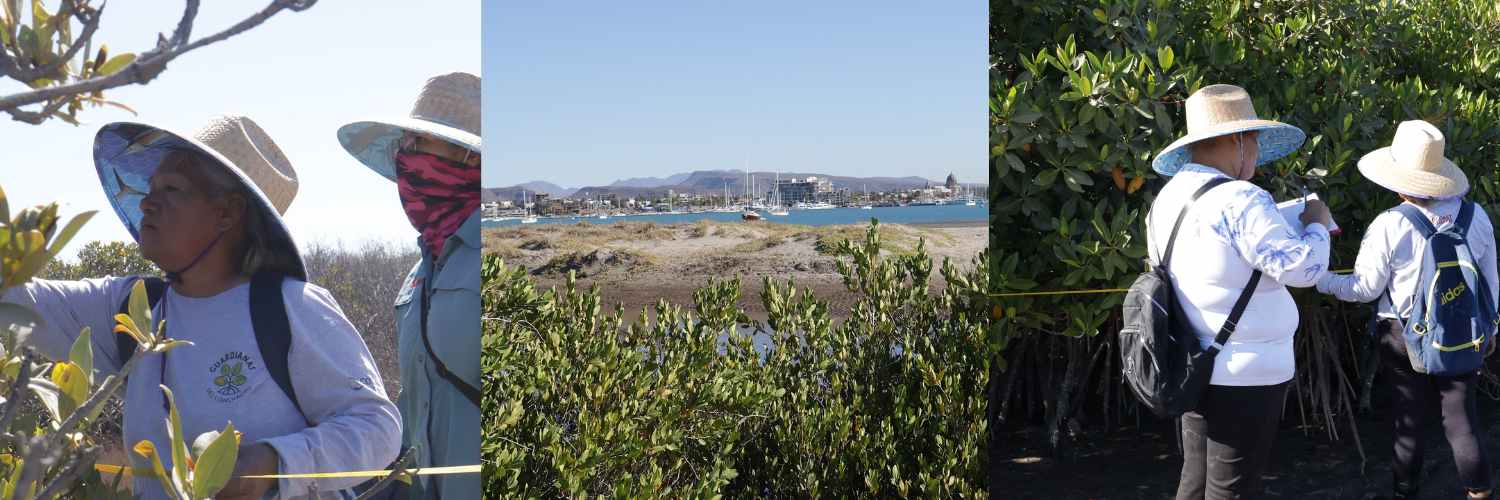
column 1239, row 144
column 176, row 276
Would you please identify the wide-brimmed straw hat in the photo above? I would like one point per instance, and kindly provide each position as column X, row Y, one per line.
column 447, row 108
column 1218, row 110
column 126, row 155
column 1414, row 165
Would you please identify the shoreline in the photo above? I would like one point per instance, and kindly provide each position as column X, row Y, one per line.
column 636, row 265
column 950, row 224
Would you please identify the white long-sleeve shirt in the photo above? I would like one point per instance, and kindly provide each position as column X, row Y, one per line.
column 1231, row 231
column 354, row 425
column 1388, row 258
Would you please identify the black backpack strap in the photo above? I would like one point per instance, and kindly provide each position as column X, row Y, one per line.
column 1234, row 314
column 470, row 392
column 273, row 332
column 155, row 287
column 1417, row 218
column 1172, row 240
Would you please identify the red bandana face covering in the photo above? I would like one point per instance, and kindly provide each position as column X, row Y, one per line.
column 438, row 195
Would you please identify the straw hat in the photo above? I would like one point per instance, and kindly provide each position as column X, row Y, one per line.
column 446, row 108
column 1414, row 165
column 127, row 154
column 1218, row 110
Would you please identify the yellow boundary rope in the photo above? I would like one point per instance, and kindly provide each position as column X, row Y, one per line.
column 1105, row 290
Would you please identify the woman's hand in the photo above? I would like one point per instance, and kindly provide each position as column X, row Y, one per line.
column 258, row 459
column 1316, row 211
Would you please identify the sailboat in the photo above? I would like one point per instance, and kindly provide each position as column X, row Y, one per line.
column 728, row 205
column 749, row 212
column 867, row 205
column 602, row 213
column 777, row 207
column 968, row 197
column 529, row 218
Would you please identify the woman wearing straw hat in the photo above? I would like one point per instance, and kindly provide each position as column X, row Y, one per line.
column 1234, row 234
column 206, row 208
column 433, row 157
column 1388, row 271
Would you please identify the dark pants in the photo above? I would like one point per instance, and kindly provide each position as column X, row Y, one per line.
column 1227, row 439
column 1416, row 396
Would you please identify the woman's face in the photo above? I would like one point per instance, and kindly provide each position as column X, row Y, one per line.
column 179, row 219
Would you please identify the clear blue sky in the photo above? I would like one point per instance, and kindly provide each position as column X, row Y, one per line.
column 588, row 92
column 300, row 75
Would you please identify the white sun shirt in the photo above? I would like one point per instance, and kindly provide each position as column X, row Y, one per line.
column 1232, row 230
column 1388, row 258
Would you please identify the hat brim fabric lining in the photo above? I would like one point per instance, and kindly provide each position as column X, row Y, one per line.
column 1276, row 141
column 374, row 142
column 125, row 171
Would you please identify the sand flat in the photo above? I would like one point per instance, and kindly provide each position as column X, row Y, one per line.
column 638, row 263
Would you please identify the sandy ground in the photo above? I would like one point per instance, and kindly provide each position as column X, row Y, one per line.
column 637, row 263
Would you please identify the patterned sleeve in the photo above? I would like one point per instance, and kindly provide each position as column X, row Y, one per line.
column 1260, row 235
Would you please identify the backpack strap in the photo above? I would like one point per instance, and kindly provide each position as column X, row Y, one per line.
column 155, row 287
column 1465, row 216
column 1234, row 314
column 273, row 332
column 469, row 392
column 1182, row 214
column 1418, row 219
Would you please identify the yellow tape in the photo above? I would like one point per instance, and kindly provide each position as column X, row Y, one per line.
column 1106, row 290
column 425, row 471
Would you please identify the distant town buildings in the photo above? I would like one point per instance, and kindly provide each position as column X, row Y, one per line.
column 794, row 192
column 805, row 190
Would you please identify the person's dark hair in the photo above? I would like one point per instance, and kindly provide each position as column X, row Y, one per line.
column 256, row 251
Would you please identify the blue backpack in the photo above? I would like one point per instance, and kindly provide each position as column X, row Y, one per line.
column 1453, row 317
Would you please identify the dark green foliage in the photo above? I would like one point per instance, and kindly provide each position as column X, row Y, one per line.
column 707, row 402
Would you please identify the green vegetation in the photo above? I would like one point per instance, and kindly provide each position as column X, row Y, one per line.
column 702, row 401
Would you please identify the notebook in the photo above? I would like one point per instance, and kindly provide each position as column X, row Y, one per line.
column 1291, row 210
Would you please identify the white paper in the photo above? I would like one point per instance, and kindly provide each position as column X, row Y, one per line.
column 1292, row 209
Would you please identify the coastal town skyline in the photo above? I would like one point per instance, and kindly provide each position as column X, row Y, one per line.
column 677, row 178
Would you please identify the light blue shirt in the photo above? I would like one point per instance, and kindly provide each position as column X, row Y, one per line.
column 438, row 421
column 349, row 422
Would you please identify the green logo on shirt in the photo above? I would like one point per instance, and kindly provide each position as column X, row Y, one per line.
column 230, row 376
